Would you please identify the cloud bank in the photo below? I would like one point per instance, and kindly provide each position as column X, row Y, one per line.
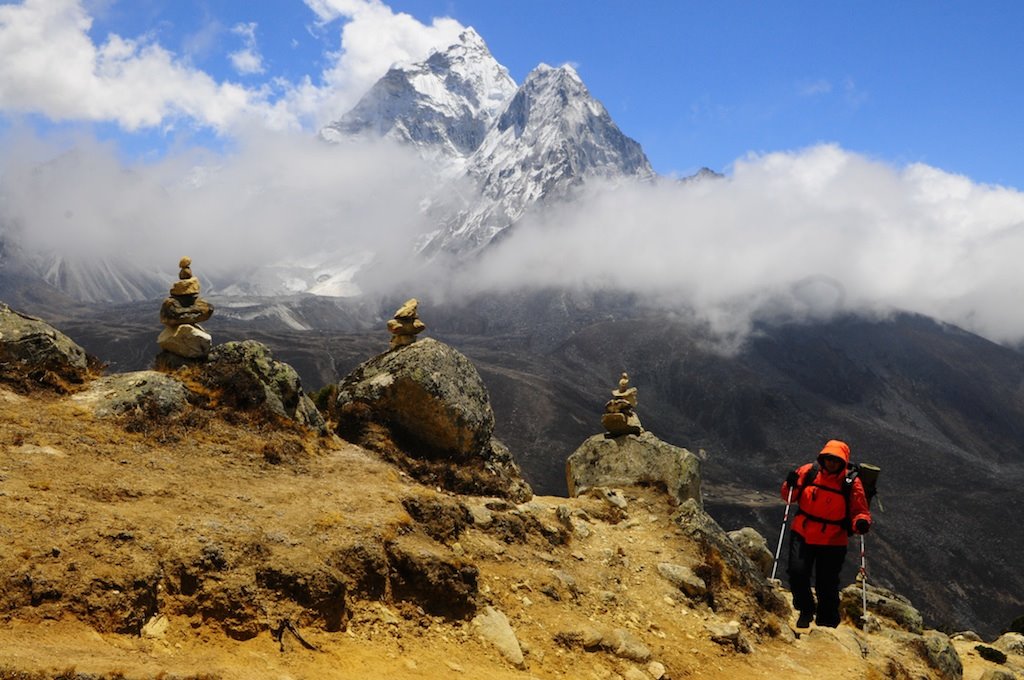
column 793, row 235
column 279, row 197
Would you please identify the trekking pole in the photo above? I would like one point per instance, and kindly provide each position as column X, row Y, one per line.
column 785, row 521
column 863, row 582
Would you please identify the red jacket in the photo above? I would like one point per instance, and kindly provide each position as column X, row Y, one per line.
column 822, row 517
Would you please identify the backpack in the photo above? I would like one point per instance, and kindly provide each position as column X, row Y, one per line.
column 869, row 478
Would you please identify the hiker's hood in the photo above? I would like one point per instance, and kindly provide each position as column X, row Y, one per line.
column 836, row 448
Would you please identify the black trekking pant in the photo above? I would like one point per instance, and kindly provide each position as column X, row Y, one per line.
column 824, row 561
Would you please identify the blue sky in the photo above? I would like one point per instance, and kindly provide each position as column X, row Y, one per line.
column 696, row 83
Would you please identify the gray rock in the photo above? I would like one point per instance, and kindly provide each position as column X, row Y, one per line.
column 428, row 391
column 881, row 602
column 122, row 392
column 634, row 460
column 619, row 642
column 186, row 340
column 494, row 627
column 612, row 497
column 941, row 655
column 634, row 673
column 425, row 407
column 998, row 674
column 567, row 581
column 1011, row 643
column 656, row 669
column 728, row 635
column 178, row 310
column 683, row 578
column 590, row 638
column 32, row 350
column 499, row 463
column 743, row 575
column 626, row 645
column 250, row 377
column 968, row 635
column 755, row 547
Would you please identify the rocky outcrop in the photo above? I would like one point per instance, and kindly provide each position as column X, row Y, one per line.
column 34, row 353
column 249, row 377
column 120, row 393
column 425, row 406
column 941, row 655
column 634, row 460
column 726, row 570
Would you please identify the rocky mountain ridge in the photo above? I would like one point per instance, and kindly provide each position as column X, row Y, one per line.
column 443, row 105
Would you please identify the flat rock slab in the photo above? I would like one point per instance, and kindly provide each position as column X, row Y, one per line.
column 117, row 394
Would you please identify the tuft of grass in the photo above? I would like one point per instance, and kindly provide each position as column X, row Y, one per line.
column 149, row 420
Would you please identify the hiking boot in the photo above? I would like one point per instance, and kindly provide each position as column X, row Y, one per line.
column 804, row 620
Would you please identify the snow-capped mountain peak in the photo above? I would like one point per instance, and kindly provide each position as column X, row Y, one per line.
column 551, row 138
column 444, row 105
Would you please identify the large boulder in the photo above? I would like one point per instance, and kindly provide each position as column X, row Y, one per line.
column 881, row 602
column 116, row 394
column 33, row 352
column 428, row 394
column 634, row 460
column 249, row 377
column 754, row 546
column 426, row 409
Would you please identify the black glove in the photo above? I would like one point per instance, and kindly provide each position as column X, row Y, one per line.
column 861, row 526
column 792, row 479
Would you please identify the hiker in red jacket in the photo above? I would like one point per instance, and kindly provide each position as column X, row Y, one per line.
column 829, row 509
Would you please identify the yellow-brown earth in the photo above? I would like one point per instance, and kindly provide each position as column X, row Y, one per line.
column 210, row 545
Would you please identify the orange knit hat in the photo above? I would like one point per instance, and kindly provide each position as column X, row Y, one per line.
column 836, row 448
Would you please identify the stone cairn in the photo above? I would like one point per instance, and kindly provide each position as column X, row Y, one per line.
column 405, row 325
column 620, row 413
column 181, row 313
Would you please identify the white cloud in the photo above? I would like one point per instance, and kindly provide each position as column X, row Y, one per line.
column 51, row 66
column 280, row 195
column 373, row 39
column 794, row 234
column 815, row 87
column 247, row 61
